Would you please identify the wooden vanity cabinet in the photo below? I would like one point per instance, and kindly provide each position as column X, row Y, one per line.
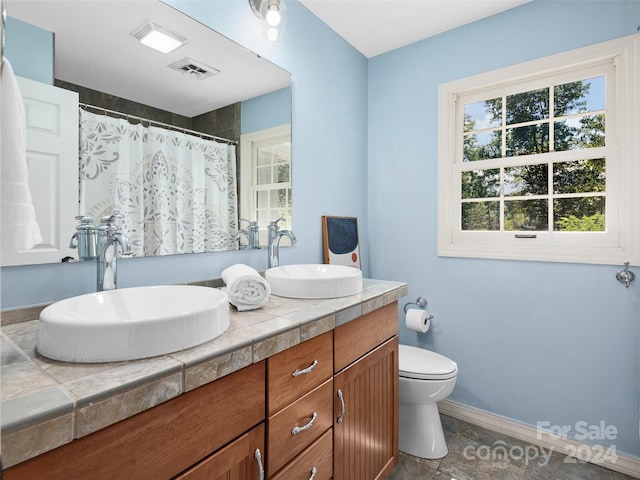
column 164, row 441
column 326, row 408
column 365, row 430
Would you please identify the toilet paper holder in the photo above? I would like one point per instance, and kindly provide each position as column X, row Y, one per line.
column 420, row 302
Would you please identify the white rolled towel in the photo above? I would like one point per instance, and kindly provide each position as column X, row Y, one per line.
column 246, row 289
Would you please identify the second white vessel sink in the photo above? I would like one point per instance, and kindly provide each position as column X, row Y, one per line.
column 314, row 280
column 132, row 323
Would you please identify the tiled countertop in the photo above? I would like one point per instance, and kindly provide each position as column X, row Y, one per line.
column 46, row 403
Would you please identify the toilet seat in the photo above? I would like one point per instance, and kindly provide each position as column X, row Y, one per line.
column 422, row 364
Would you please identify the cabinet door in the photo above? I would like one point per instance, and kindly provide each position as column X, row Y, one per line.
column 242, row 459
column 366, row 416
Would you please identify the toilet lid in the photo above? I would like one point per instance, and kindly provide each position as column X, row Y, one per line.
column 425, row 365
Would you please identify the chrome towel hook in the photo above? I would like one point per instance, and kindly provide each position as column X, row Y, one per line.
column 625, row 276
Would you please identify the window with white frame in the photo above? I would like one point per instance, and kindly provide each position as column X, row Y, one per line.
column 539, row 161
column 265, row 178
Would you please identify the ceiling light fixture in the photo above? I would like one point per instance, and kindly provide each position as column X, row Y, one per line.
column 272, row 12
column 157, row 37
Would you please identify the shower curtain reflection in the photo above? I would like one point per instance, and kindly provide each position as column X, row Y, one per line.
column 177, row 192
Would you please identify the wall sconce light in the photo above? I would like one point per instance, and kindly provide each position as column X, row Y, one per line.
column 272, row 12
column 157, row 37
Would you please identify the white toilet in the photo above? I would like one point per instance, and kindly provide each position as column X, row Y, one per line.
column 425, row 378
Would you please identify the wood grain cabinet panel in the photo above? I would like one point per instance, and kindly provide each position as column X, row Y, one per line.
column 163, row 441
column 354, row 339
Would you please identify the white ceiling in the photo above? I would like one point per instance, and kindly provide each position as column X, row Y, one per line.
column 378, row 26
column 94, row 47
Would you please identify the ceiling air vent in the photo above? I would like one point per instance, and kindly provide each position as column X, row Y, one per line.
column 193, row 69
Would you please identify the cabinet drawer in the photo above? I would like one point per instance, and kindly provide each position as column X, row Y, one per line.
column 354, row 339
column 283, row 442
column 319, row 456
column 312, row 362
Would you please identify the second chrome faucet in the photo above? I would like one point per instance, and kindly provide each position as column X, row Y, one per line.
column 275, row 234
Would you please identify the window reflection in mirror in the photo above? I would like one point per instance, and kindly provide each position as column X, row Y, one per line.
column 266, row 178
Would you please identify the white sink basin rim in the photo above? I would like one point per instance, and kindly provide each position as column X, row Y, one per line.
column 132, row 323
column 314, row 280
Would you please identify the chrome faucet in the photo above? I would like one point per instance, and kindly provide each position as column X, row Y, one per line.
column 85, row 238
column 239, row 235
column 252, row 233
column 109, row 239
column 275, row 234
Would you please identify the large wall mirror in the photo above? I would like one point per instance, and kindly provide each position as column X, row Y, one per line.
column 207, row 96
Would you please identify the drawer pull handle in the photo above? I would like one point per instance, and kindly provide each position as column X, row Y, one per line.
column 341, row 397
column 297, row 430
column 314, row 470
column 297, row 373
column 259, row 460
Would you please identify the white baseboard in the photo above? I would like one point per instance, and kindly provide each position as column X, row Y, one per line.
column 627, row 464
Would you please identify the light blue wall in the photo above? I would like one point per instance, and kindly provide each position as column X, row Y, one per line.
column 329, row 81
column 266, row 111
column 30, row 50
column 533, row 341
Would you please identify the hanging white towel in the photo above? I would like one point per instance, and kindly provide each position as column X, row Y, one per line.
column 19, row 230
column 246, row 289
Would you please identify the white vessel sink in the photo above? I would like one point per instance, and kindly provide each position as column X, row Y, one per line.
column 132, row 323
column 314, row 281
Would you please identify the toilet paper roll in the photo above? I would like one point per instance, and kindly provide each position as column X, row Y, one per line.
column 418, row 320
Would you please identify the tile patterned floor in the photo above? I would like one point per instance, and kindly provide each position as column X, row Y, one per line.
column 474, row 454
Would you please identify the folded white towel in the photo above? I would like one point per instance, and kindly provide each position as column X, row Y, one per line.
column 246, row 289
column 19, row 228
